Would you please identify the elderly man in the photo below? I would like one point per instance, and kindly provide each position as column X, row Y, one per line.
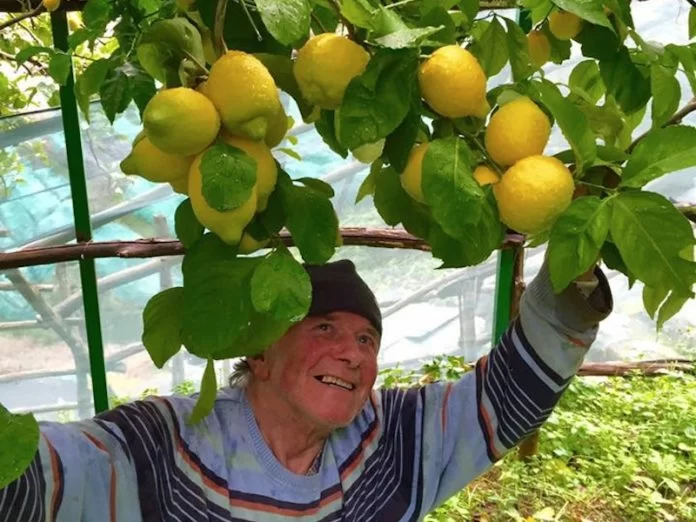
column 302, row 434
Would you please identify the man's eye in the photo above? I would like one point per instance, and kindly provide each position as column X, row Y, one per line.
column 366, row 339
column 324, row 327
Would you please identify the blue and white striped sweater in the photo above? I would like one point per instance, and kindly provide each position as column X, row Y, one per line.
column 404, row 454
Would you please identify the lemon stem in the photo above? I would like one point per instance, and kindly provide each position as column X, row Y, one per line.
column 399, row 4
column 251, row 21
column 201, row 66
column 594, row 185
column 483, row 151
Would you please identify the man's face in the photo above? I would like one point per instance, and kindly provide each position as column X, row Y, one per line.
column 324, row 367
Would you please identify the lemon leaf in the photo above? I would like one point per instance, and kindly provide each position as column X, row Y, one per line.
column 326, row 128
column 216, row 302
column 408, row 37
column 586, row 82
column 395, row 206
column 612, row 258
column 491, row 49
column 662, row 151
column 143, row 87
column 692, row 23
column 576, row 239
column 538, row 9
column 399, row 143
column 650, row 233
column 572, row 122
column 286, row 20
column 367, row 187
column 318, row 185
column 359, row 13
column 311, row 220
column 666, row 94
column 89, row 83
column 162, row 319
column 228, row 176
column 376, row 102
column 620, row 71
column 115, row 94
column 590, row 10
column 186, row 225
column 207, row 395
column 19, row 440
column 450, row 190
column 518, row 51
column 281, row 287
column 59, row 67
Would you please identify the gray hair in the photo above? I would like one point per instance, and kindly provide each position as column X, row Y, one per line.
column 241, row 374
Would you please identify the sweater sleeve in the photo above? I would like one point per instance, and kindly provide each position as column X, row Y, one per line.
column 470, row 424
column 105, row 468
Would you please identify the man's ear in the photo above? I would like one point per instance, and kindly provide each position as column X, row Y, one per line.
column 259, row 366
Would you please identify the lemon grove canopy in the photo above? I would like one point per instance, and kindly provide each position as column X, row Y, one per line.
column 458, row 161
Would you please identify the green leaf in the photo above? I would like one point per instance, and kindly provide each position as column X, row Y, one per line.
column 162, row 320
column 408, row 37
column 19, row 441
column 281, row 68
column 143, row 88
column 492, row 48
column 115, row 93
column 439, row 17
column 399, row 143
column 367, row 187
column 666, row 94
column 687, row 57
column 692, row 23
column 612, row 258
column 450, row 190
column 90, row 82
column 96, row 14
column 376, row 102
column 287, row 20
column 59, row 67
column 590, row 10
column 625, row 82
column 576, row 239
column 228, row 176
column 82, row 35
column 186, row 225
column 31, row 51
column 650, row 234
column 605, row 122
column 671, row 307
column 359, row 13
column 311, row 220
column 598, row 42
column 325, row 127
column 320, row 186
column 323, row 19
column 395, row 206
column 662, row 151
column 586, row 82
column 273, row 218
column 478, row 242
column 572, row 123
column 470, row 8
column 539, row 9
column 652, row 299
column 518, row 51
column 217, row 304
column 281, row 287
column 206, row 399
column 560, row 49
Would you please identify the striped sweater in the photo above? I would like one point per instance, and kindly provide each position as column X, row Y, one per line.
column 406, row 452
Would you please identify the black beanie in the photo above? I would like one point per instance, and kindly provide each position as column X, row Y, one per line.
column 337, row 287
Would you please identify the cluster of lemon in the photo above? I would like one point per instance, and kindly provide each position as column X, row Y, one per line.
column 534, row 189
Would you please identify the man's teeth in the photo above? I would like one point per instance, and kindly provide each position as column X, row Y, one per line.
column 330, row 379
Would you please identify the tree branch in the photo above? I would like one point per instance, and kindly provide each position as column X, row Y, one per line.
column 146, row 248
column 33, row 61
column 23, row 16
column 674, row 120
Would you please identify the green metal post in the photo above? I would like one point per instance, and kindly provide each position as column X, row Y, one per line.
column 83, row 225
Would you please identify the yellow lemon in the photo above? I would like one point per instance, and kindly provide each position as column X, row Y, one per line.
column 228, row 225
column 277, row 128
column 412, row 176
column 369, row 152
column 180, row 185
column 244, row 93
column 51, row 5
column 485, row 175
column 181, row 121
column 539, row 48
column 249, row 244
column 564, row 25
column 266, row 167
column 453, row 83
column 324, row 67
column 533, row 193
column 151, row 163
column 517, row 130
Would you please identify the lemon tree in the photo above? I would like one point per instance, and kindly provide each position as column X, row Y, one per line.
column 456, row 157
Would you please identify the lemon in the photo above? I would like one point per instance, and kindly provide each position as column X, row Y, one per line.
column 539, row 48
column 75, row 21
column 369, row 152
column 266, row 168
column 517, row 130
column 277, row 128
column 51, row 5
column 453, row 83
column 324, row 67
column 180, row 185
column 533, row 193
column 249, row 244
column 151, row 163
column 485, row 175
column 181, row 121
column 228, row 225
column 244, row 92
column 564, row 25
column 412, row 176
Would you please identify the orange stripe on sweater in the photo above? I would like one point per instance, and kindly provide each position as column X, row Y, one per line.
column 112, row 486
column 448, row 390
column 56, row 478
column 288, row 512
column 364, row 444
column 484, row 413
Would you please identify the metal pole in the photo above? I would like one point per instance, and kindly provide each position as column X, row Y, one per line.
column 83, row 226
column 503, row 292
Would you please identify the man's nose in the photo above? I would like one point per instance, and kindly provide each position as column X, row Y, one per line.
column 348, row 350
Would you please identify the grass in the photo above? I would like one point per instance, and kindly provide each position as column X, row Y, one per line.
column 614, row 450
